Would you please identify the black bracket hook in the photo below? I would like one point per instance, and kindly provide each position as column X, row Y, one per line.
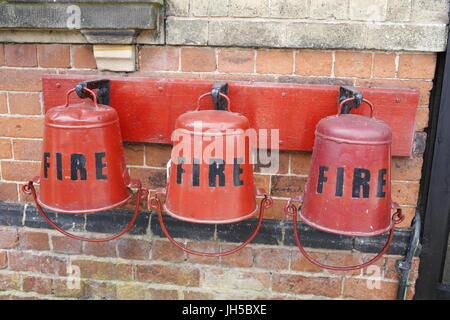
column 102, row 85
column 349, row 92
column 219, row 102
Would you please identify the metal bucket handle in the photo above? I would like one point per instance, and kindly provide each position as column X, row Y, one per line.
column 92, row 93
column 209, row 94
column 141, row 193
column 292, row 210
column 155, row 203
column 342, row 104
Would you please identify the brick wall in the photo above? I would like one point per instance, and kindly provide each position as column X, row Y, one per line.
column 33, row 261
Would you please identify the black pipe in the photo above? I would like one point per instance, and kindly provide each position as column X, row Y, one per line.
column 404, row 266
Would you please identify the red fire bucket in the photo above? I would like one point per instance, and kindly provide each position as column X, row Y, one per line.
column 348, row 190
column 83, row 167
column 211, row 174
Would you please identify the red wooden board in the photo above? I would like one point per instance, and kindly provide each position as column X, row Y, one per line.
column 148, row 107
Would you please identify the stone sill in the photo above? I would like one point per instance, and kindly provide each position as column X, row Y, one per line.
column 100, row 21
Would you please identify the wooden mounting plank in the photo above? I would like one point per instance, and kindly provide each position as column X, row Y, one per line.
column 148, row 107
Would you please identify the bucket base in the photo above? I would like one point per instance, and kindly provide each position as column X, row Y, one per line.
column 170, row 213
column 346, row 233
column 118, row 204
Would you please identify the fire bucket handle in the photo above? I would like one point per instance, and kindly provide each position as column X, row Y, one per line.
column 94, row 96
column 292, row 210
column 155, row 203
column 209, row 94
column 342, row 104
column 142, row 192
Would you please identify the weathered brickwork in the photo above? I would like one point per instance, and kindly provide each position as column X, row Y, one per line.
column 35, row 265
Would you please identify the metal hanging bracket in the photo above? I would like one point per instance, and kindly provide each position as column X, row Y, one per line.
column 102, row 85
column 219, row 102
column 349, row 92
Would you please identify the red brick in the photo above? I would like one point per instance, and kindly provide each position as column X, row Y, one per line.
column 29, row 240
column 239, row 77
column 8, row 192
column 198, row 59
column 2, row 55
column 236, row 60
column 19, row 171
column 21, row 127
column 364, row 289
column 134, row 249
column 287, row 186
column 63, row 244
column 417, row 66
column 157, row 155
column 53, row 56
column 37, row 284
column 165, row 251
column 300, row 162
column 404, row 168
column 384, row 65
column 159, row 58
column 10, row 281
column 20, row 55
column 27, row 149
column 134, row 154
column 162, row 294
column 405, row 193
column 22, row 79
column 410, row 292
column 100, row 290
column 63, row 288
column 274, row 259
column 297, row 284
column 262, row 182
column 3, row 259
column 24, row 261
column 8, row 238
column 243, row 258
column 3, row 103
column 231, row 279
column 168, row 274
column 353, row 64
column 100, row 249
column 5, row 149
column 300, row 263
column 100, row 270
column 83, row 57
column 150, row 178
column 340, row 258
column 422, row 118
column 24, row 103
column 206, row 246
column 197, row 295
column 313, row 63
column 274, row 61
